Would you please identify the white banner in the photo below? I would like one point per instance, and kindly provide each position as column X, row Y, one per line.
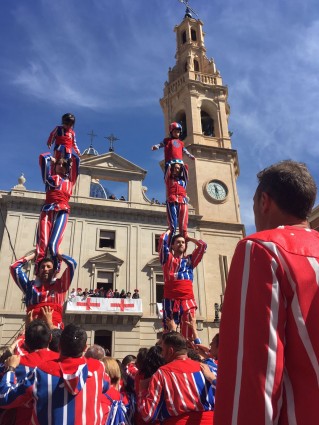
column 127, row 305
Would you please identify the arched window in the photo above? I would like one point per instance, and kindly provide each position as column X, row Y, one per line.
column 196, row 65
column 207, row 124
column 193, row 35
column 184, row 37
column 181, row 118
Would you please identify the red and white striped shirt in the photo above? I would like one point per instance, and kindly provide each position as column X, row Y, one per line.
column 178, row 391
column 268, row 370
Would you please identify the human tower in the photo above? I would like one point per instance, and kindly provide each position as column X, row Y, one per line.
column 179, row 303
column 59, row 173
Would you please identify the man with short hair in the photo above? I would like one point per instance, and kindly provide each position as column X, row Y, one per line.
column 45, row 290
column 178, row 393
column 67, row 390
column 269, row 344
column 37, row 339
column 95, row 351
column 178, row 268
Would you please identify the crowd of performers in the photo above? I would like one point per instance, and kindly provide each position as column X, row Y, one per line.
column 46, row 381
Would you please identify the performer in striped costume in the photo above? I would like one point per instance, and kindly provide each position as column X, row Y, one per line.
column 179, row 301
column 176, row 178
column 44, row 290
column 63, row 136
column 55, row 212
column 269, row 343
column 37, row 338
column 65, row 391
column 178, row 393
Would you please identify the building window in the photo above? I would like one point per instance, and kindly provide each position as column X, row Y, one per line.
column 181, row 118
column 184, row 37
column 193, row 35
column 196, row 65
column 107, row 239
column 159, row 280
column 104, row 279
column 207, row 124
column 155, row 243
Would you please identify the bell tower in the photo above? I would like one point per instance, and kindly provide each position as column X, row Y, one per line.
column 195, row 96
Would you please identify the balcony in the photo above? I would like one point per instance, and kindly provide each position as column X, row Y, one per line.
column 103, row 311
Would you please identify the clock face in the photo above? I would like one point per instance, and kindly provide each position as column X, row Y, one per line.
column 217, row 190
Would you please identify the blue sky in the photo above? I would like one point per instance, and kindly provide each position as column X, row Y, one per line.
column 107, row 60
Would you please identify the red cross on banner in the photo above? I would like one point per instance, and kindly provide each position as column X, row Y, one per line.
column 122, row 305
column 88, row 304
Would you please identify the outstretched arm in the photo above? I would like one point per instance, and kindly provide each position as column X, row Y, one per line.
column 158, row 146
column 75, row 146
column 17, row 273
column 185, row 151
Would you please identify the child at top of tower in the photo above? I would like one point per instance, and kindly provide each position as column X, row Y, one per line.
column 173, row 147
column 63, row 137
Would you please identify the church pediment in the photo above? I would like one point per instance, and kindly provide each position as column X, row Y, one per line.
column 104, row 259
column 154, row 263
column 113, row 166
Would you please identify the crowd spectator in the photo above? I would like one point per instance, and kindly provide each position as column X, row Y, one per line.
column 95, row 351
column 123, row 294
column 85, row 293
column 269, row 350
column 55, row 339
column 116, row 402
column 136, row 294
column 179, row 390
column 37, row 339
column 61, row 389
column 72, row 295
column 109, row 294
column 116, row 294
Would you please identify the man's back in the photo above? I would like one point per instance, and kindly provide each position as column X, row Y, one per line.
column 65, row 391
column 272, row 300
column 176, row 389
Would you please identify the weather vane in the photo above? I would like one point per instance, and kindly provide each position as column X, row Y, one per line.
column 188, row 8
column 111, row 138
column 92, row 135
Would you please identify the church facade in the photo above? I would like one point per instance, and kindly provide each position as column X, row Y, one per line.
column 114, row 241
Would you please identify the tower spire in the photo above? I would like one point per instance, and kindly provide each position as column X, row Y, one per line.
column 189, row 10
